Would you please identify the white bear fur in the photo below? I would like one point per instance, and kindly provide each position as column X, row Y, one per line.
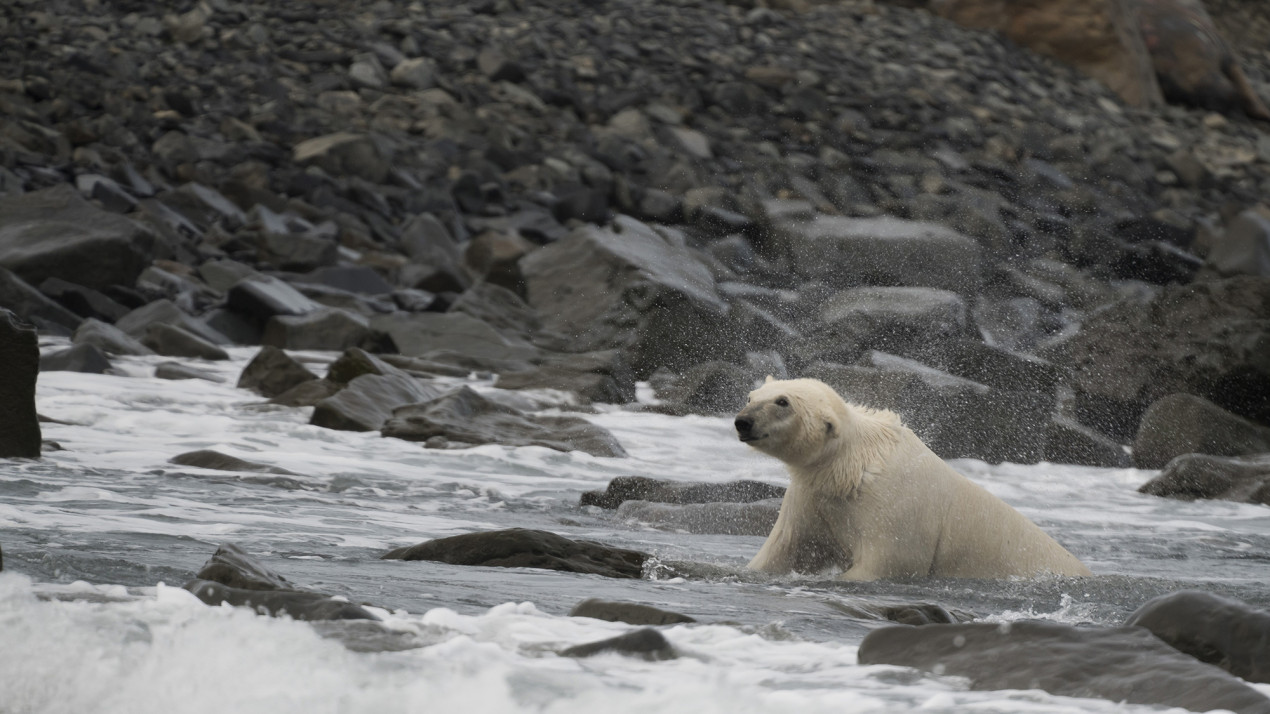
column 868, row 497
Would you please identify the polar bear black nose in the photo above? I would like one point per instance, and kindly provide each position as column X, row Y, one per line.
column 744, row 424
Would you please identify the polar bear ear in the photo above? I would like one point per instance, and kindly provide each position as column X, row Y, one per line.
column 828, row 427
column 770, row 378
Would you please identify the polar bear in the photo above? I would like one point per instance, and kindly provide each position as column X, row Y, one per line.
column 868, row 497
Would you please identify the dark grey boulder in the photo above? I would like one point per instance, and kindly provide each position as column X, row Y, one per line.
column 263, row 296
column 465, row 417
column 308, row 394
column 175, row 341
column 76, row 358
column 420, row 334
column 603, row 376
column 628, row 287
column 33, row 306
column 83, row 301
column 882, row 251
column 108, row 339
column 166, row 312
column 629, row 612
column 208, row 459
column 20, row 355
column 996, row 367
column 891, row 319
column 177, row 371
column 1186, row 424
column 1207, row 338
column 355, row 362
column 234, row 577
column 643, row 488
column 751, row 519
column 955, row 417
column 1192, row 476
column 714, row 387
column 1067, row 441
column 1121, row 664
column 358, row 279
column 645, row 643
column 525, row 548
column 1244, row 247
column 221, row 275
column 54, row 232
column 1211, row 628
column 367, row 403
column 272, row 372
column 325, row 329
column 344, row 154
column 500, row 308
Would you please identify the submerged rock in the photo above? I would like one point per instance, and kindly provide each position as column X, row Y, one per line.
column 466, row 417
column 20, row 355
column 76, row 358
column 643, row 488
column 525, row 548
column 1212, row 629
column 208, row 459
column 1193, row 476
column 646, row 643
column 1121, row 664
column 629, row 612
column 368, row 402
column 754, row 519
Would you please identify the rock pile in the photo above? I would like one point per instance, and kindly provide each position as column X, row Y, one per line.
column 579, row 195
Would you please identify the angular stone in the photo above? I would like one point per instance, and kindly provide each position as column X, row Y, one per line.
column 714, row 387
column 996, row 367
column 307, row 394
column 174, row 341
column 20, row 355
column 344, row 153
column 108, row 339
column 417, row 334
column 466, row 417
column 1185, row 424
column 165, row 312
column 523, row 548
column 56, row 233
column 355, row 362
column 262, row 297
column 326, row 329
column 956, row 417
column 1192, row 476
column 233, row 577
column 892, row 319
column 1211, row 628
column 883, row 251
column 628, row 287
column 1120, row 664
column 368, row 401
column 358, row 279
column 83, row 301
column 33, row 306
column 602, row 376
column 414, row 73
column 643, row 488
column 1067, row 441
column 629, row 612
column 176, row 371
column 1244, row 247
column 272, row 372
column 77, row 358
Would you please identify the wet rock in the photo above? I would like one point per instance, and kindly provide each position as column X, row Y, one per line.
column 344, row 154
column 465, row 417
column 1185, row 424
column 326, row 329
column 307, row 394
column 262, row 297
column 1211, row 628
column 955, row 417
column 751, row 519
column 83, row 301
column 501, row 308
column 272, row 372
column 1244, row 247
column 1208, row 338
column 419, row 334
column 602, row 376
column 231, row 576
column 355, row 362
column 645, row 643
column 77, row 358
column 629, row 612
column 20, row 354
column 643, row 488
column 56, row 233
column 524, row 548
column 627, row 287
column 177, row 371
column 33, row 306
column 996, row 367
column 369, row 401
column 714, row 387
column 1193, row 476
column 892, row 319
column 173, row 341
column 920, row 614
column 166, row 312
column 208, row 459
column 882, row 251
column 108, row 339
column 354, row 279
column 1067, row 441
column 1122, row 664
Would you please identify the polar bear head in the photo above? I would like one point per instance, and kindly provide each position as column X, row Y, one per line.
column 799, row 421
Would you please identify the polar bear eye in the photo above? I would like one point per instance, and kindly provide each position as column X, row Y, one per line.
column 782, row 402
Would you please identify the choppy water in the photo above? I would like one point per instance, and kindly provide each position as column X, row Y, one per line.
column 97, row 539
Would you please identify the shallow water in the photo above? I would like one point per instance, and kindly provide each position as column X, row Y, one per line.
column 98, row 538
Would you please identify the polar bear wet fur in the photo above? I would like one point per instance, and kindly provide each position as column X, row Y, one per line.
column 868, row 497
